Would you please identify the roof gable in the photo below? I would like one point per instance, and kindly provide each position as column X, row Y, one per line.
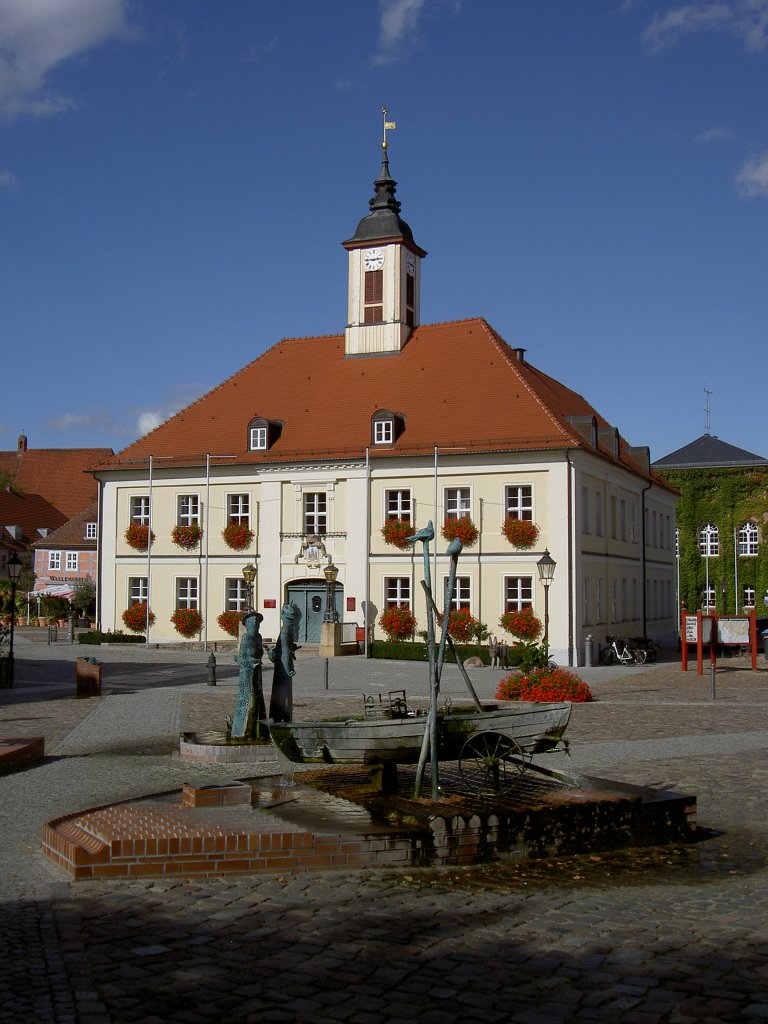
column 708, row 451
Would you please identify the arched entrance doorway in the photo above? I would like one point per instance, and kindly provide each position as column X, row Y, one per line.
column 308, row 597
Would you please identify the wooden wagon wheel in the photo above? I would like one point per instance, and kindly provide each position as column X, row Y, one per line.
column 490, row 762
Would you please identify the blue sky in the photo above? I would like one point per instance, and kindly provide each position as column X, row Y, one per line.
column 176, row 177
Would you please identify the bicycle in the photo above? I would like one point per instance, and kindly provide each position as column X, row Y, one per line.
column 619, row 650
column 651, row 648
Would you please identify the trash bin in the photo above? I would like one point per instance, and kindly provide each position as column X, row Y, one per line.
column 88, row 672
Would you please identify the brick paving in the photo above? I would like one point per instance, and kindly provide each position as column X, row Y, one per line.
column 674, row 935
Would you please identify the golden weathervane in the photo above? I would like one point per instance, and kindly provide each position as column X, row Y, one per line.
column 388, row 126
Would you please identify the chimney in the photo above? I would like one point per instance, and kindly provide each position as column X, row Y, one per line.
column 520, row 354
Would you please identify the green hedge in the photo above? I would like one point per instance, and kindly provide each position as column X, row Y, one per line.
column 416, row 651
column 93, row 636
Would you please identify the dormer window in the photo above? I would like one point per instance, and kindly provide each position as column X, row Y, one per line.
column 386, row 427
column 258, row 440
column 383, row 432
column 91, row 531
column 262, row 434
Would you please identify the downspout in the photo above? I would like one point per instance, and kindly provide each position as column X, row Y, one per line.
column 571, row 526
column 207, row 541
column 643, row 598
column 437, row 527
column 99, row 554
column 367, row 605
column 149, row 552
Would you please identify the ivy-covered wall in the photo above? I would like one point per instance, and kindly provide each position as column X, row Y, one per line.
column 727, row 498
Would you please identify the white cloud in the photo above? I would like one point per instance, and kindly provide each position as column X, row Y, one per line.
column 752, row 179
column 714, row 135
column 746, row 20
column 7, row 179
column 36, row 36
column 147, row 421
column 399, row 23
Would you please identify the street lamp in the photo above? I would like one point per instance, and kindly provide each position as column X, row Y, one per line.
column 249, row 575
column 14, row 571
column 546, row 566
column 331, row 574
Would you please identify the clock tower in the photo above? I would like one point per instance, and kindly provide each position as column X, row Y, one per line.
column 384, row 274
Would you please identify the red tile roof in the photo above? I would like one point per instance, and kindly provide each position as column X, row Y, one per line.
column 72, row 533
column 60, row 475
column 457, row 385
column 30, row 512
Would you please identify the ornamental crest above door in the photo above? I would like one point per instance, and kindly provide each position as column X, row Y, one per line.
column 312, row 552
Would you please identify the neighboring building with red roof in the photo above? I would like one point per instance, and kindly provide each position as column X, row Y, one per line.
column 316, row 444
column 67, row 554
column 24, row 519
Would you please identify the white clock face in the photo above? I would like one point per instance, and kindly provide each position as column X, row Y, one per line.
column 410, row 263
column 373, row 259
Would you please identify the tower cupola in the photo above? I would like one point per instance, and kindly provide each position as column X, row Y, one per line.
column 384, row 272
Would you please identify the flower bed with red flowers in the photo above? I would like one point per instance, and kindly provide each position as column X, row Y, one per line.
column 396, row 532
column 230, row 622
column 520, row 532
column 462, row 528
column 546, row 686
column 137, row 535
column 187, row 536
column 135, row 617
column 187, row 621
column 462, row 626
column 237, row 536
column 398, row 623
column 523, row 624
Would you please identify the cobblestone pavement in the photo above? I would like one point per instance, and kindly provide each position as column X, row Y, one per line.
column 672, row 935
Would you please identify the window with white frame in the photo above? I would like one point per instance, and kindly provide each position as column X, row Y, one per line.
column 585, row 522
column 236, row 599
column 315, row 513
column 91, row 531
column 187, row 592
column 257, row 438
column 138, row 590
column 709, row 596
column 188, row 510
column 748, row 596
column 518, row 501
column 457, row 502
column 238, row 509
column 397, row 591
column 748, row 539
column 709, row 541
column 72, row 561
column 585, row 618
column 383, row 431
column 398, row 505
column 598, row 513
column 599, row 609
column 140, row 509
column 518, row 593
column 461, row 598
column 54, row 560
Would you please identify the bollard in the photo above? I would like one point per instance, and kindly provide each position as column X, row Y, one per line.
column 326, row 673
column 712, row 681
column 211, row 669
column 71, row 629
column 588, row 650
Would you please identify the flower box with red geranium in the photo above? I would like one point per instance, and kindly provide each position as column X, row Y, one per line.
column 522, row 624
column 462, row 528
column 521, row 533
column 462, row 626
column 545, row 686
column 187, row 537
column 137, row 535
column 396, row 532
column 237, row 536
column 135, row 617
column 230, row 622
column 398, row 623
column 187, row 621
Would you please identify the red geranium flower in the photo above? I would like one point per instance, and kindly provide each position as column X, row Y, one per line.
column 137, row 535
column 237, row 536
column 135, row 617
column 397, row 532
column 187, row 621
column 187, row 536
column 230, row 622
column 520, row 532
column 462, row 528
column 398, row 623
column 546, row 686
column 522, row 624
